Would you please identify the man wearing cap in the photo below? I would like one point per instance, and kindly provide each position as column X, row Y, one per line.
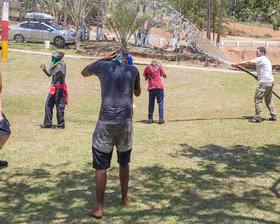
column 266, row 83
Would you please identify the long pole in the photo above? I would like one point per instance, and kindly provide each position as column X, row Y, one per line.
column 5, row 29
column 251, row 74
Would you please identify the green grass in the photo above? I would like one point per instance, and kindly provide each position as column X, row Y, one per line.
column 207, row 164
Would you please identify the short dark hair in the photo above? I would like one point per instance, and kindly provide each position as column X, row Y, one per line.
column 124, row 50
column 59, row 54
column 262, row 49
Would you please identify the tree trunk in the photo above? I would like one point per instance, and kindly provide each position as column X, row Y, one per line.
column 220, row 23
column 149, row 26
column 78, row 37
column 34, row 6
column 89, row 21
column 208, row 19
column 102, row 24
column 174, row 29
column 83, row 25
column 43, row 6
column 214, row 5
column 142, row 38
column 98, row 20
column 65, row 15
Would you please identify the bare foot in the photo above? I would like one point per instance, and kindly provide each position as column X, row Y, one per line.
column 96, row 213
column 126, row 201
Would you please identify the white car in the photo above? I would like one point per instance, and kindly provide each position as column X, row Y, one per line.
column 39, row 28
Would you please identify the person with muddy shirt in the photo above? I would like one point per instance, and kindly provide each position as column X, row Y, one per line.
column 119, row 81
column 58, row 94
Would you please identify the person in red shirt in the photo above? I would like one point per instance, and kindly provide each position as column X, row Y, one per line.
column 152, row 73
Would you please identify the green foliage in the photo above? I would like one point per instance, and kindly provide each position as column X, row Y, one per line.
column 124, row 18
column 256, row 10
column 267, row 35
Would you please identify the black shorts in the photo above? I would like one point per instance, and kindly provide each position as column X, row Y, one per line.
column 105, row 137
column 102, row 161
column 108, row 135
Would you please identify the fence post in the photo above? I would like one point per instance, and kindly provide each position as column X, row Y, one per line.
column 5, row 30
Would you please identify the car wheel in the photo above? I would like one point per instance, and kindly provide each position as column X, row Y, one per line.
column 59, row 41
column 19, row 38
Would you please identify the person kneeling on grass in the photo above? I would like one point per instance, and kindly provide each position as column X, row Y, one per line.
column 115, row 126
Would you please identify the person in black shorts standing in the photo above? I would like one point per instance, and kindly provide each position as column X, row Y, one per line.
column 115, row 126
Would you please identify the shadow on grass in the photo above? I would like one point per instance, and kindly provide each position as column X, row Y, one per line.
column 200, row 193
column 209, row 119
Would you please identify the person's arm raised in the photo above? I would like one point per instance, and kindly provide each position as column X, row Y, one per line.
column 107, row 57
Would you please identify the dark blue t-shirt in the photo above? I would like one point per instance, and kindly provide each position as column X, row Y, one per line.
column 4, row 126
column 117, row 84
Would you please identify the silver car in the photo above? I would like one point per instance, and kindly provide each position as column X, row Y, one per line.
column 39, row 31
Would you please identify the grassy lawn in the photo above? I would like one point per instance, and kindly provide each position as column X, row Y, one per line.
column 207, row 164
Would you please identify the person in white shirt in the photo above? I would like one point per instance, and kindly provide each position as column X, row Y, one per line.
column 266, row 82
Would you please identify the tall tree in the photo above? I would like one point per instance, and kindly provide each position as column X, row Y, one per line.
column 65, row 15
column 77, row 10
column 208, row 19
column 124, row 18
column 220, row 23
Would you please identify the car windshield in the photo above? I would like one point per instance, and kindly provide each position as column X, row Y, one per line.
column 55, row 26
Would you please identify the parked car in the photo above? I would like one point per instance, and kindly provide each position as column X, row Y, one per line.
column 39, row 28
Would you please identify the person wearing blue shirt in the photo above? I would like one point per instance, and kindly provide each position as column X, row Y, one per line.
column 125, row 55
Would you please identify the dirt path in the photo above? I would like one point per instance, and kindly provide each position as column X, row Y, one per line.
column 142, row 61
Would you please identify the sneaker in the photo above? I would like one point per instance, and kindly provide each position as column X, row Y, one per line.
column 3, row 163
column 45, row 126
column 161, row 121
column 254, row 120
column 273, row 119
column 150, row 121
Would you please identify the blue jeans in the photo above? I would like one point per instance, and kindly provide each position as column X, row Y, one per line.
column 159, row 94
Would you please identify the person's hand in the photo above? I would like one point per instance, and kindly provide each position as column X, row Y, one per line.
column 124, row 60
column 233, row 65
column 43, row 66
column 58, row 67
column 110, row 56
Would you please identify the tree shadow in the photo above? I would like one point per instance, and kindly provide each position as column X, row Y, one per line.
column 209, row 193
column 40, row 196
column 202, row 192
column 209, row 119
